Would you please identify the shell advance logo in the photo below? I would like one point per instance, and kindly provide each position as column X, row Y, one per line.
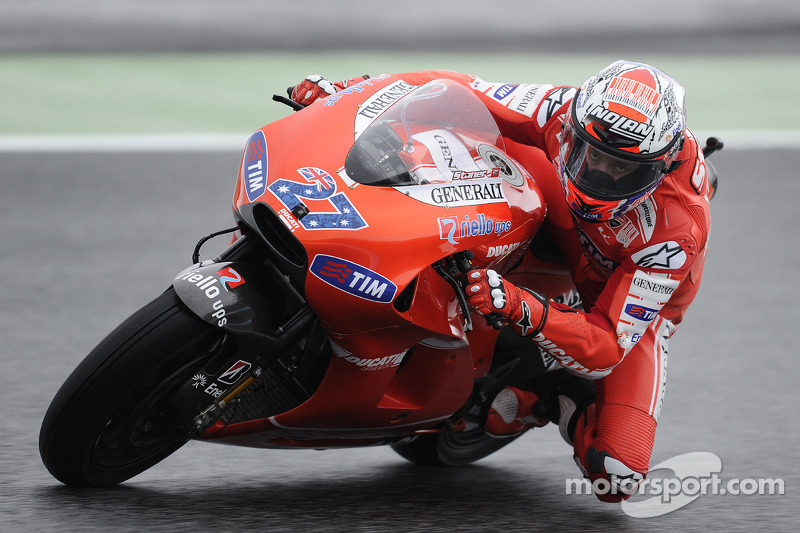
column 353, row 279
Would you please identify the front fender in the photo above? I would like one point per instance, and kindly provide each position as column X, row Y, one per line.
column 230, row 295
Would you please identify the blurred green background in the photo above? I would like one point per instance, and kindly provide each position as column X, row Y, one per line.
column 163, row 93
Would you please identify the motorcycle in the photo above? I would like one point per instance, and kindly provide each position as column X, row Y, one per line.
column 335, row 317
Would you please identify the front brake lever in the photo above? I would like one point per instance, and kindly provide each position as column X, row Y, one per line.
column 288, row 101
column 460, row 295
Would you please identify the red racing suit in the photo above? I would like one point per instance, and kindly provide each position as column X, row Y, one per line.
column 636, row 274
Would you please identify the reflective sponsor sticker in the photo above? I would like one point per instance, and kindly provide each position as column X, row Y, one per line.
column 353, row 278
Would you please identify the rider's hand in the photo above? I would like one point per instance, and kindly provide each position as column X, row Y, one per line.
column 312, row 88
column 491, row 295
column 315, row 86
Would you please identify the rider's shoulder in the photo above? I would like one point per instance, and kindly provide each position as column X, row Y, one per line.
column 670, row 233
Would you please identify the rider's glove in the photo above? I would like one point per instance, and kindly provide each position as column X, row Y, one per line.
column 311, row 88
column 315, row 86
column 497, row 299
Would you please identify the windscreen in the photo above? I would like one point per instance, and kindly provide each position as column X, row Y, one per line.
column 437, row 133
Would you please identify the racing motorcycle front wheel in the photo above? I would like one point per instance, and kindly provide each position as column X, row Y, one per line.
column 111, row 419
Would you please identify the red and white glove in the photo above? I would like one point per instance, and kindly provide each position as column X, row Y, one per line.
column 312, row 88
column 492, row 296
column 315, row 87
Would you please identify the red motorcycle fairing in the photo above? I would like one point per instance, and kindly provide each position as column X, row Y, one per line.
column 377, row 232
column 401, row 358
column 389, row 392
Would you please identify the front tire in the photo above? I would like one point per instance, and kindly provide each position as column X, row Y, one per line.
column 110, row 420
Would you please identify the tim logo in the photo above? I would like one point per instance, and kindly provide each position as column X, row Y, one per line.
column 353, row 278
column 504, row 91
column 641, row 312
column 234, row 373
column 254, row 166
column 230, row 278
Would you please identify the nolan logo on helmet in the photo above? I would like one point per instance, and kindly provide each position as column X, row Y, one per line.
column 621, row 125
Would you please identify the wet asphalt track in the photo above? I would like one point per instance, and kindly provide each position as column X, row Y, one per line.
column 88, row 238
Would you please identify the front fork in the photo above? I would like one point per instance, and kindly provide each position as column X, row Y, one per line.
column 190, row 397
column 262, row 316
column 202, row 399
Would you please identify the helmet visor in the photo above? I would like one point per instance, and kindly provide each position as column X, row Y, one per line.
column 603, row 176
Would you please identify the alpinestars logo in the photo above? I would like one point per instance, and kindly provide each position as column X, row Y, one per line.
column 524, row 323
column 557, row 98
column 665, row 255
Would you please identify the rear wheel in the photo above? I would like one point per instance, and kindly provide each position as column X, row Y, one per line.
column 451, row 449
column 111, row 419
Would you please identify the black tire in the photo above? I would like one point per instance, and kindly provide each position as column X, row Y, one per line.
column 451, row 449
column 109, row 421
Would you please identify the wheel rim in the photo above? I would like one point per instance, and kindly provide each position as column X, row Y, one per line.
column 141, row 429
column 468, row 446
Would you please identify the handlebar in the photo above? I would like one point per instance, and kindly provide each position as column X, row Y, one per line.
column 288, row 101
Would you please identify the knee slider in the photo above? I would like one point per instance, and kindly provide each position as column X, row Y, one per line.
column 612, row 480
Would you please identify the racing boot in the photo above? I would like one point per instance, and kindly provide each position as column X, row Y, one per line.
column 513, row 411
column 571, row 401
column 560, row 397
column 570, row 412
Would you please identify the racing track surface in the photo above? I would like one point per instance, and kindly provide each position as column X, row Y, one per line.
column 88, row 238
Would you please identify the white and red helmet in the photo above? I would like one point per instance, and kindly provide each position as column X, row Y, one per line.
column 632, row 115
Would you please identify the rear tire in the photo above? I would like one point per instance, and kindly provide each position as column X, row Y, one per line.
column 110, row 420
column 451, row 449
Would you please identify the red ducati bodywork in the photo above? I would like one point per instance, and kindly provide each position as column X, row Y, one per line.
column 402, row 362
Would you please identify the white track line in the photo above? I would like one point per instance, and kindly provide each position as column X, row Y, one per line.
column 124, row 143
column 733, row 139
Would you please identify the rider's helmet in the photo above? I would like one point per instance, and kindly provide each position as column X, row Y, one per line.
column 621, row 136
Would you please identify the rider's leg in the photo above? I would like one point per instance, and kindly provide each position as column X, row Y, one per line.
column 539, row 385
column 556, row 396
column 613, row 439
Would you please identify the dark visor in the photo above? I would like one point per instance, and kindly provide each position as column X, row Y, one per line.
column 605, row 177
